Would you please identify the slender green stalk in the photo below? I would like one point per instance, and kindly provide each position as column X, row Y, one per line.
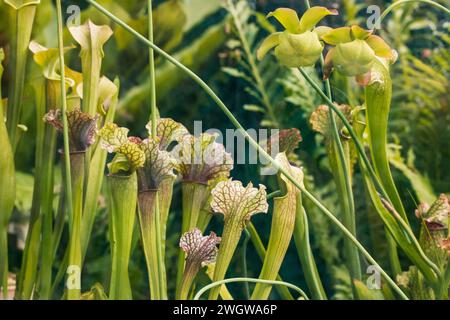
column 151, row 57
column 402, row 2
column 46, row 171
column 7, row 190
column 261, row 251
column 21, row 24
column 342, row 176
column 47, row 184
column 4, row 263
column 75, row 294
column 224, row 293
column 154, row 119
column 165, row 200
column 28, row 269
column 253, row 143
column 244, row 262
column 231, row 280
column 147, row 210
column 188, row 278
column 60, row 221
column 343, row 179
column 309, row 267
column 445, row 283
column 77, row 161
column 194, row 195
column 41, row 220
column 402, row 234
column 232, row 231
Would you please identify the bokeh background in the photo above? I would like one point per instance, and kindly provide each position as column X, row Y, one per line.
column 202, row 34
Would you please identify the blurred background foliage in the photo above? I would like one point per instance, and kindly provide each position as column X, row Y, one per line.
column 219, row 43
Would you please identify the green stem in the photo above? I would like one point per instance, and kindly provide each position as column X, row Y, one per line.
column 30, row 259
column 342, row 176
column 154, row 119
column 77, row 162
column 47, row 171
column 194, row 196
column 231, row 234
column 165, row 201
column 28, row 269
column 261, row 251
column 445, row 283
column 309, row 267
column 231, row 280
column 7, row 190
column 402, row 2
column 147, row 216
column 4, row 261
column 188, row 277
column 251, row 141
column 60, row 221
column 244, row 262
column 68, row 178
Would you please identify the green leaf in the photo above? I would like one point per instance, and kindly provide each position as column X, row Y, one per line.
column 254, row 108
column 235, row 73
